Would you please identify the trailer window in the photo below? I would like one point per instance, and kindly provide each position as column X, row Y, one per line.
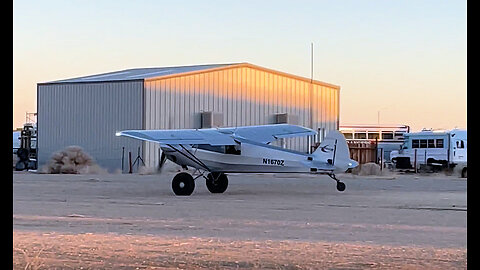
column 348, row 135
column 360, row 135
column 439, row 143
column 373, row 136
column 431, row 143
column 399, row 134
column 423, row 143
column 415, row 144
column 387, row 135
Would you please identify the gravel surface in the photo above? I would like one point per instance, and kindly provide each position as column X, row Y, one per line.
column 278, row 221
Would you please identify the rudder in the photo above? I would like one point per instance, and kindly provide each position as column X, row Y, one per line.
column 335, row 144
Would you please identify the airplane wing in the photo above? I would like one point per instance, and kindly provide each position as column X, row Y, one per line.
column 180, row 136
column 219, row 136
column 268, row 133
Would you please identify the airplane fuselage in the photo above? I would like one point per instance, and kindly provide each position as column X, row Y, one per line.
column 249, row 157
column 214, row 152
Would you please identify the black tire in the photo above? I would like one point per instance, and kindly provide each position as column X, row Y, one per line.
column 22, row 154
column 403, row 163
column 219, row 185
column 464, row 173
column 341, row 186
column 20, row 166
column 183, row 184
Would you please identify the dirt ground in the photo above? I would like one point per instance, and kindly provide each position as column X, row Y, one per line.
column 262, row 221
column 112, row 251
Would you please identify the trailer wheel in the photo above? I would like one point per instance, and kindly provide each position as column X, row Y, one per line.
column 464, row 172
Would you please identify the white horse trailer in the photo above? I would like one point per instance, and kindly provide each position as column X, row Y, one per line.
column 438, row 149
column 387, row 137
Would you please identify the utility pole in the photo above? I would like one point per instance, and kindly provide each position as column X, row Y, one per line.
column 311, row 74
column 310, row 138
column 311, row 92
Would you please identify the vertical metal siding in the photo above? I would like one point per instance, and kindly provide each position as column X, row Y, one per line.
column 244, row 95
column 88, row 115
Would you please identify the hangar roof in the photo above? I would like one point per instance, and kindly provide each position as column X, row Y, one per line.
column 164, row 72
column 139, row 73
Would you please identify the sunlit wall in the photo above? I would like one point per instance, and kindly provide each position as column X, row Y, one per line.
column 244, row 95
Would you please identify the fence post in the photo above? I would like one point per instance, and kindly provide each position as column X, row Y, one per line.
column 381, row 159
column 130, row 161
column 415, row 161
column 123, row 154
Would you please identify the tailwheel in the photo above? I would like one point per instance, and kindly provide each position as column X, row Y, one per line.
column 217, row 182
column 183, row 184
column 340, row 186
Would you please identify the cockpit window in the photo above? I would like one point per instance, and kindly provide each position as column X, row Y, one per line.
column 233, row 149
column 227, row 149
column 208, row 147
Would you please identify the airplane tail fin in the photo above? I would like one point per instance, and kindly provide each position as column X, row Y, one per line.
column 335, row 146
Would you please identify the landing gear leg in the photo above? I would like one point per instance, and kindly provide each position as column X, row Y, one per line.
column 340, row 185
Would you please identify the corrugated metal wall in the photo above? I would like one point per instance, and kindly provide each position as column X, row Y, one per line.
column 244, row 95
column 88, row 115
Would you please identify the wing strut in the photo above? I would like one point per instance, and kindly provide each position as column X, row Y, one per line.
column 195, row 157
column 192, row 157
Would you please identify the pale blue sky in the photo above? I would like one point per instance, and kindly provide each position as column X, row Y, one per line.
column 406, row 59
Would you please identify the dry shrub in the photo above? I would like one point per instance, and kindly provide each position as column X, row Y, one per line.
column 368, row 169
column 72, row 160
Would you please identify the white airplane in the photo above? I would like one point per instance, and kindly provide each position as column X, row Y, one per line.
column 214, row 152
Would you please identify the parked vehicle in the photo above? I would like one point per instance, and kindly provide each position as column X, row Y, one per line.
column 446, row 149
column 26, row 149
column 387, row 138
